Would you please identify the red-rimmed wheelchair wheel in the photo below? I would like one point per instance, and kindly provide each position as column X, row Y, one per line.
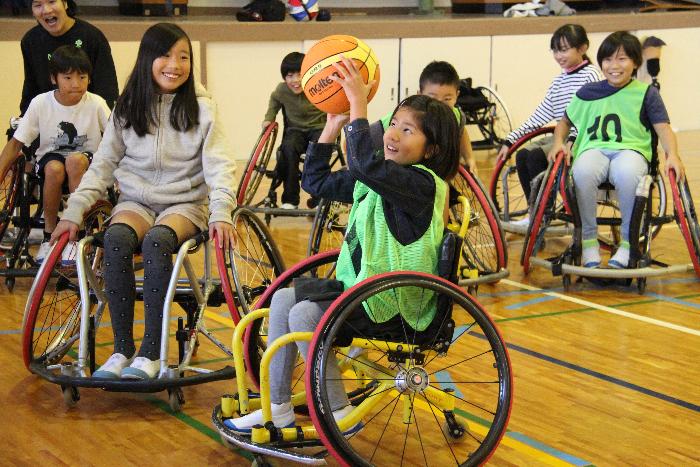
column 504, row 186
column 687, row 218
column 51, row 322
column 544, row 200
column 484, row 245
column 473, row 373
column 256, row 167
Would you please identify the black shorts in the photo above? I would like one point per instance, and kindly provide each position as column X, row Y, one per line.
column 54, row 156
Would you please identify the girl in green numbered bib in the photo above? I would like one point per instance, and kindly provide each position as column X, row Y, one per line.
column 618, row 121
column 398, row 195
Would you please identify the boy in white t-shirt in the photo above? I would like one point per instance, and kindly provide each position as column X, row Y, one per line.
column 69, row 123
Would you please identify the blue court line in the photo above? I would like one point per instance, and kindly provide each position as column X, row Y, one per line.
column 533, row 301
column 445, row 381
column 596, row 374
column 677, row 301
column 608, row 378
column 549, row 450
column 679, row 280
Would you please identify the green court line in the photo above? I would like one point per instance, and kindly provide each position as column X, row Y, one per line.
column 196, row 424
column 191, row 422
column 576, row 310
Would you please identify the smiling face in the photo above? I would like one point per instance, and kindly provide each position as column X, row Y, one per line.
column 568, row 57
column 404, row 140
column 618, row 68
column 52, row 16
column 72, row 86
column 171, row 70
column 293, row 81
column 443, row 92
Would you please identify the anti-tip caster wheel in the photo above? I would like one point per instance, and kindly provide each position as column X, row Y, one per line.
column 176, row 399
column 71, row 396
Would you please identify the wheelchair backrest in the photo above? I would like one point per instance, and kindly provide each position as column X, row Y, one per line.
column 471, row 99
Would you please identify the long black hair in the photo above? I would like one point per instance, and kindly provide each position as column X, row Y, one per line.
column 136, row 106
column 573, row 35
column 439, row 125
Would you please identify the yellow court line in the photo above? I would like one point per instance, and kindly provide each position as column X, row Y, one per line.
column 530, row 451
column 220, row 319
column 607, row 309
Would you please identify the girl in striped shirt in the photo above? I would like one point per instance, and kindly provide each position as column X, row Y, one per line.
column 569, row 45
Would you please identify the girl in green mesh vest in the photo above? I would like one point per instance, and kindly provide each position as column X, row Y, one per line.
column 396, row 223
column 615, row 119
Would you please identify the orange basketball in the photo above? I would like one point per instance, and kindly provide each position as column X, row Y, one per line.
column 328, row 95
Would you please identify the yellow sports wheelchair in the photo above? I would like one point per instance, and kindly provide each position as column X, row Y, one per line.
column 437, row 396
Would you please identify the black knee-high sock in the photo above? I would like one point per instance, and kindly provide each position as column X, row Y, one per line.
column 120, row 241
column 158, row 246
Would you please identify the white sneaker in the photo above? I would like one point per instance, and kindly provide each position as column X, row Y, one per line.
column 141, row 368
column 43, row 252
column 112, row 368
column 288, row 206
column 282, row 417
column 341, row 413
column 69, row 253
column 620, row 259
column 524, row 222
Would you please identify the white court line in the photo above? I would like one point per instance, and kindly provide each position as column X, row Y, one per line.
column 614, row 311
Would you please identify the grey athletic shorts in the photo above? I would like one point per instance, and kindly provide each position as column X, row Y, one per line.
column 198, row 214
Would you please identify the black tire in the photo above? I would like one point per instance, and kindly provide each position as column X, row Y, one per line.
column 9, row 187
column 328, row 229
column 481, row 391
column 256, row 168
column 484, row 247
column 255, row 262
column 52, row 316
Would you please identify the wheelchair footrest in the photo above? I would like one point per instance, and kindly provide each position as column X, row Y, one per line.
column 279, row 449
column 125, row 385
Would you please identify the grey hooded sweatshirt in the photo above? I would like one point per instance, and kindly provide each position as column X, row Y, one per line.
column 163, row 167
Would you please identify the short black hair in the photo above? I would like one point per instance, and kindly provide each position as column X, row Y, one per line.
column 291, row 63
column 438, row 72
column 629, row 43
column 71, row 8
column 69, row 58
column 442, row 133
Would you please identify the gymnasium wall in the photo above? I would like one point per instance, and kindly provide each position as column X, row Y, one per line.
column 519, row 67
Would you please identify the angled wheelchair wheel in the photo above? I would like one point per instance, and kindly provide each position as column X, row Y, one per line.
column 495, row 123
column 51, row 322
column 328, row 229
column 256, row 168
column 255, row 339
column 544, row 211
column 442, row 394
column 687, row 218
column 255, row 262
column 504, row 188
column 484, row 245
column 9, row 186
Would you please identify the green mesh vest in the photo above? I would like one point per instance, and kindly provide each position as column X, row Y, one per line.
column 612, row 122
column 369, row 248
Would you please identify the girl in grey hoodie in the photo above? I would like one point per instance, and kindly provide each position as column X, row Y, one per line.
column 167, row 152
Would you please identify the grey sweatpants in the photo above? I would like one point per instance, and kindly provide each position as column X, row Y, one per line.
column 623, row 169
column 288, row 316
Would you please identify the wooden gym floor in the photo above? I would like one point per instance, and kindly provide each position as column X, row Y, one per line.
column 603, row 376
